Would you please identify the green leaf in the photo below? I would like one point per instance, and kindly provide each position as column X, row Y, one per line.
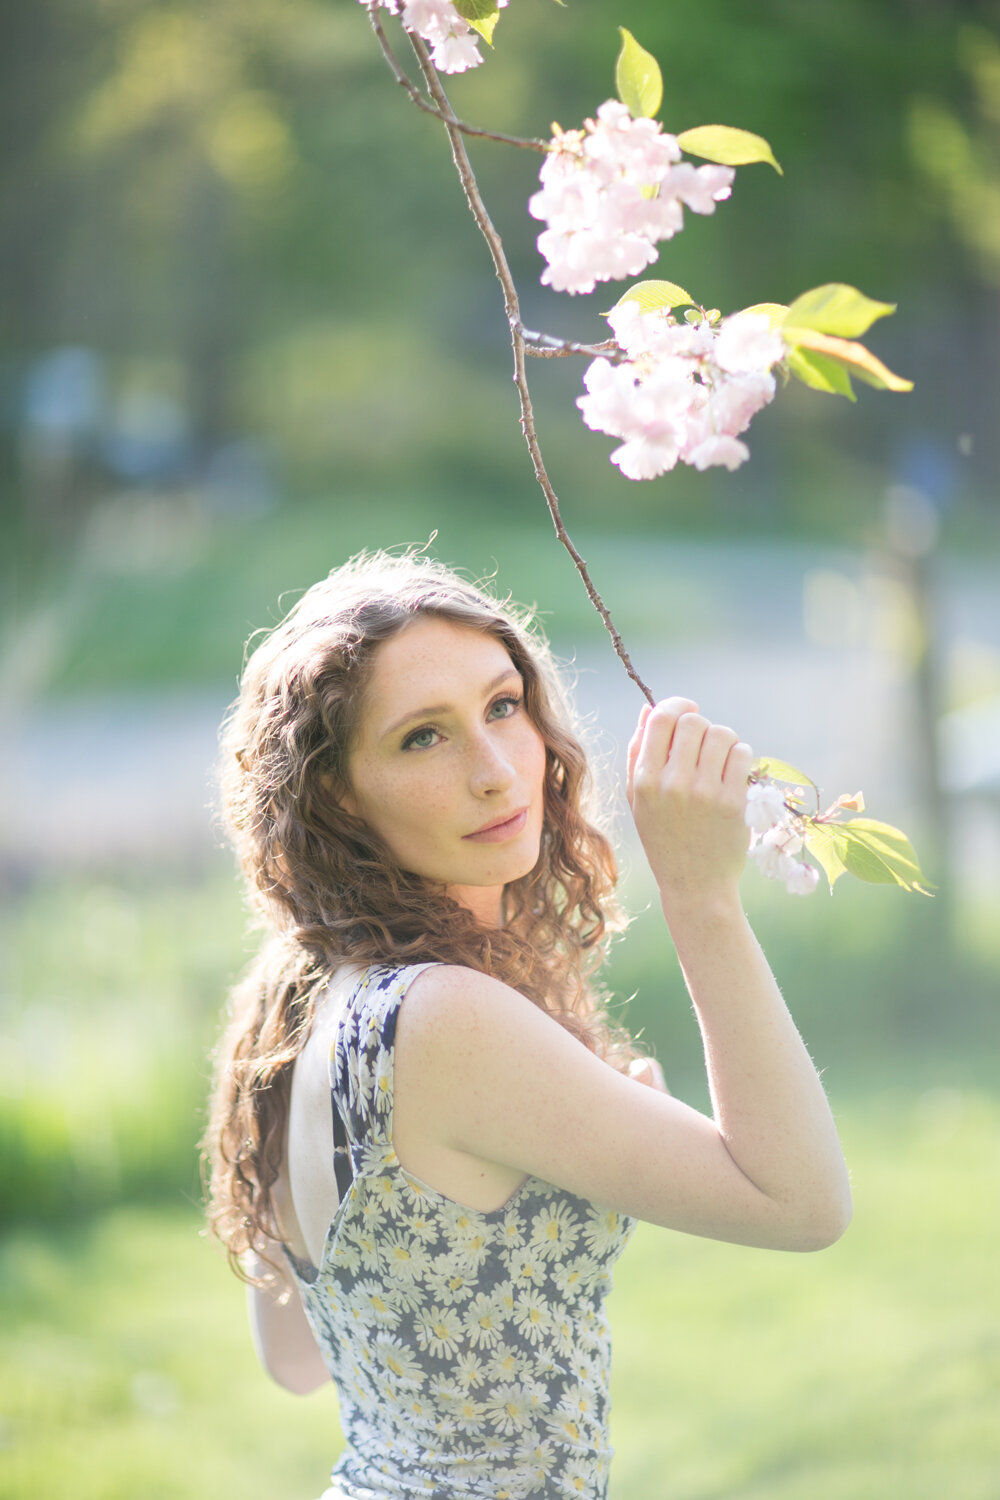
column 652, row 295
column 482, row 16
column 780, row 770
column 730, row 147
column 638, row 78
column 820, row 372
column 836, row 308
column 858, row 360
column 880, row 854
column 827, row 848
column 774, row 311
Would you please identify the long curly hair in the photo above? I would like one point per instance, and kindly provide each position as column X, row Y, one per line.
column 326, row 889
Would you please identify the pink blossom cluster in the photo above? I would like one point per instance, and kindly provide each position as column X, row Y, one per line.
column 610, row 192
column 453, row 42
column 776, row 839
column 685, row 390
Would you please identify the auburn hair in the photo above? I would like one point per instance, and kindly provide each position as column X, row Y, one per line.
column 325, row 888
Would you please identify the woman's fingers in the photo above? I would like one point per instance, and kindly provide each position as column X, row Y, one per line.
column 657, row 735
column 739, row 764
column 648, row 1071
column 715, row 748
column 689, row 779
column 674, row 736
column 633, row 750
column 686, row 745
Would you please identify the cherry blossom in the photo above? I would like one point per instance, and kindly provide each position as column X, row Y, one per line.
column 610, row 192
column 777, row 838
column 802, row 879
column 765, row 806
column 685, row 391
column 453, row 42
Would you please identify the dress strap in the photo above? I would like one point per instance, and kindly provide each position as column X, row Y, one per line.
column 361, row 1067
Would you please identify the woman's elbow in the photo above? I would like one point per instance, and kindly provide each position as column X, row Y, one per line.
column 300, row 1378
column 824, row 1230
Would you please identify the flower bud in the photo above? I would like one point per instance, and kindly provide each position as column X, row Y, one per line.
column 765, row 806
column 772, row 860
column 801, row 879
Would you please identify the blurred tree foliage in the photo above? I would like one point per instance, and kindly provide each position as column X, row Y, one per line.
column 234, row 204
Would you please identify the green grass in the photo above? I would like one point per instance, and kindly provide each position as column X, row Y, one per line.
column 161, row 593
column 127, row 1371
column 111, row 619
column 864, row 1373
column 867, row 1371
column 109, row 1003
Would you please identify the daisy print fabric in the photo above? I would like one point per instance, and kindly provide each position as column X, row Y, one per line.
column 470, row 1350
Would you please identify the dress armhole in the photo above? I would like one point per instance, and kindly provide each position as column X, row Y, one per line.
column 343, row 1167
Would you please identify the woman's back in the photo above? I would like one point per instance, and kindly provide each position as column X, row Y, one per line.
column 469, row 1347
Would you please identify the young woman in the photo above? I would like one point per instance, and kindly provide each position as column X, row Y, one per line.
column 427, row 1145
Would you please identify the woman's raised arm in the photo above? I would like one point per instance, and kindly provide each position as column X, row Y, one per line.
column 489, row 1074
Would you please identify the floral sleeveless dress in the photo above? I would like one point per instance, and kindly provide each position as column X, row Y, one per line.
column 470, row 1350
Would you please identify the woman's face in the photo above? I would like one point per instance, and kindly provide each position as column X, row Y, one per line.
column 447, row 766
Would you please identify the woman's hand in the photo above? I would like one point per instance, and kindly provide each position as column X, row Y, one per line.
column 687, row 788
column 280, row 1331
column 647, row 1070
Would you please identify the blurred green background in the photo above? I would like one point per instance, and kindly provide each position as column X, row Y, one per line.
column 248, row 328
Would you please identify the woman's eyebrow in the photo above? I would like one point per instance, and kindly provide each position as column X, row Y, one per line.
column 445, row 708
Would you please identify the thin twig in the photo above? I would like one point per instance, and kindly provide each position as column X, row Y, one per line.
column 545, row 346
column 512, row 307
column 448, row 118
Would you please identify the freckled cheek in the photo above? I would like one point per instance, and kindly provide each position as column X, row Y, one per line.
column 414, row 805
column 535, row 759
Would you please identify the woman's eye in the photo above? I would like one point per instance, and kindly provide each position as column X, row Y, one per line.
column 420, row 739
column 504, row 708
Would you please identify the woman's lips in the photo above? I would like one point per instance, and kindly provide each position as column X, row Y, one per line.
column 498, row 832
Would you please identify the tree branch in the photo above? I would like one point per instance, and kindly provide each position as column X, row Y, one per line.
column 544, row 346
column 447, row 117
column 477, row 208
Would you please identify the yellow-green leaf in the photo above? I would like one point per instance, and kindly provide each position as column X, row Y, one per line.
column 482, row 16
column 880, row 854
column 819, row 372
column 859, row 361
column 638, row 78
column 837, row 308
column 773, row 311
column 827, row 849
column 652, row 295
column 780, row 770
column 728, row 146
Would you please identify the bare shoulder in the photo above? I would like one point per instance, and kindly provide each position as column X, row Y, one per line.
column 472, row 1040
column 450, row 1008
column 488, row 1066
column 492, row 1076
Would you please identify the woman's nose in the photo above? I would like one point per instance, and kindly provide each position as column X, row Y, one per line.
column 490, row 770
